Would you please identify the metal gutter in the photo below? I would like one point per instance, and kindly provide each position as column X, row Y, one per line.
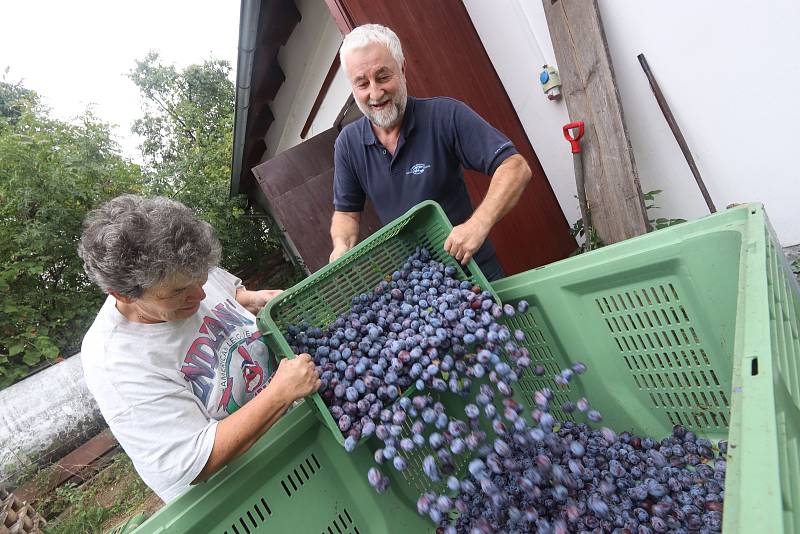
column 248, row 33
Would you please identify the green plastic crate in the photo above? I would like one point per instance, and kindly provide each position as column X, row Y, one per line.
column 296, row 479
column 323, row 296
column 695, row 324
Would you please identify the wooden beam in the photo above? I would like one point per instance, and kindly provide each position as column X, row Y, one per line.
column 341, row 15
column 278, row 20
column 345, row 112
column 268, row 76
column 613, row 192
column 326, row 84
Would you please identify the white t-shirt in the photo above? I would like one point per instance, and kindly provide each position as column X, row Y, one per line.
column 163, row 387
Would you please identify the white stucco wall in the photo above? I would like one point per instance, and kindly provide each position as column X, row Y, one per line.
column 305, row 60
column 727, row 70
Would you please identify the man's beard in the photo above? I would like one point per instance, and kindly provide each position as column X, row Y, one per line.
column 392, row 114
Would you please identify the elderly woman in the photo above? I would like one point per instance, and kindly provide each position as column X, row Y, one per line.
column 174, row 357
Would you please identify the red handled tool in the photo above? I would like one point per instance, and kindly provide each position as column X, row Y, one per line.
column 574, row 141
column 578, row 163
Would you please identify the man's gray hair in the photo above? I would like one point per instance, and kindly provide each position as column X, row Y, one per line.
column 368, row 34
column 132, row 243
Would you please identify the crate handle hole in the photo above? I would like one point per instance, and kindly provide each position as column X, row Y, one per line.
column 754, row 367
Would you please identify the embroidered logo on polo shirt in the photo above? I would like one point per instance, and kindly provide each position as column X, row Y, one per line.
column 418, row 168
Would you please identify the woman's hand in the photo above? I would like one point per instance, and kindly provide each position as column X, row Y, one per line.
column 295, row 378
column 253, row 301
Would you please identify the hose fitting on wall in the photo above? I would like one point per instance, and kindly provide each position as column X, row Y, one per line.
column 551, row 82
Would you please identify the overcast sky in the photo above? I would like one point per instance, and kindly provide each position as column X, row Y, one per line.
column 78, row 53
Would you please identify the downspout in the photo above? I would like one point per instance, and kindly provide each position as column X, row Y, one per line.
column 248, row 34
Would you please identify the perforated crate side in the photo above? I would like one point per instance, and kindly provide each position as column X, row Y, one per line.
column 297, row 478
column 784, row 322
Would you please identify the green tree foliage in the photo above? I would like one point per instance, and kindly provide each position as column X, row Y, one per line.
column 187, row 132
column 51, row 174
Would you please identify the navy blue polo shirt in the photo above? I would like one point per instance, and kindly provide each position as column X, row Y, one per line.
column 439, row 137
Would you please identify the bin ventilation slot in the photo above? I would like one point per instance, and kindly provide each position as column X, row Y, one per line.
column 539, row 347
column 300, row 474
column 253, row 518
column 342, row 523
column 414, row 473
column 659, row 344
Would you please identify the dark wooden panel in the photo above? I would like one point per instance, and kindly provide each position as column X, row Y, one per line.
column 299, row 186
column 252, row 157
column 612, row 186
column 268, row 77
column 444, row 56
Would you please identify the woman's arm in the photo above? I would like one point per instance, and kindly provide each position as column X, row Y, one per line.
column 253, row 301
column 294, row 379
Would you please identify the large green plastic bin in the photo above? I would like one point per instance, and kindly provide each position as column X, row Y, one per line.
column 695, row 324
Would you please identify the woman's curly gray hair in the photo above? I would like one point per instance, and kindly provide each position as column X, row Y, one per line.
column 131, row 243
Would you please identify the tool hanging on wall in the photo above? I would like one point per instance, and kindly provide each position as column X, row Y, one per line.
column 676, row 131
column 551, row 82
column 578, row 164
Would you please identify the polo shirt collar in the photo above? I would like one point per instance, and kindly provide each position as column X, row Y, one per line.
column 409, row 120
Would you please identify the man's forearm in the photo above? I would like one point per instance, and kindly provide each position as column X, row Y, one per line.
column 344, row 232
column 508, row 183
column 237, row 432
column 346, row 240
column 344, row 228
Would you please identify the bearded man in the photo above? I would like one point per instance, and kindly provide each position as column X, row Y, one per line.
column 406, row 150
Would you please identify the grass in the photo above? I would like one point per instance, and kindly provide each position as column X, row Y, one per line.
column 114, row 493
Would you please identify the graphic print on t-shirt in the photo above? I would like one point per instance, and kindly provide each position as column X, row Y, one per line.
column 228, row 363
